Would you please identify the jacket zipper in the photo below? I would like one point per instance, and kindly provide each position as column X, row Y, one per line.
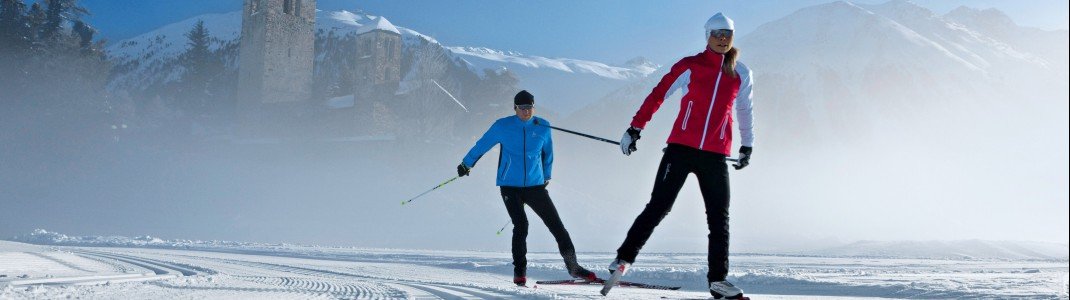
column 713, row 100
column 687, row 115
column 525, row 153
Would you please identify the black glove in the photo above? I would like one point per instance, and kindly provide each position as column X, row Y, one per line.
column 744, row 157
column 627, row 142
column 463, row 170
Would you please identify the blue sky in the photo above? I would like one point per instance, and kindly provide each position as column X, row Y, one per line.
column 603, row 30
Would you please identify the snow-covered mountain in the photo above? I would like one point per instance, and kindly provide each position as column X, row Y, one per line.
column 839, row 69
column 856, row 68
column 150, row 58
column 1052, row 46
column 561, row 84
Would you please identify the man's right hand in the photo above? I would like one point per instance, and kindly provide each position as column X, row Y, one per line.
column 627, row 142
column 463, row 170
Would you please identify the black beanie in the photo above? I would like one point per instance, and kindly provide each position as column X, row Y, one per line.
column 523, row 98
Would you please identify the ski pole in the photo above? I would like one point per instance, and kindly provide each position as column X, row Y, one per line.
column 587, row 135
column 503, row 227
column 612, row 141
column 432, row 189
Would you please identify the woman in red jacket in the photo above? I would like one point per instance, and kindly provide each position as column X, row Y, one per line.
column 712, row 82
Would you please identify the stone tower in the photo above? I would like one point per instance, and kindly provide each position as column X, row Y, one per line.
column 378, row 59
column 275, row 64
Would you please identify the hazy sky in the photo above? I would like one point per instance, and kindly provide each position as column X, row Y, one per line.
column 601, row 30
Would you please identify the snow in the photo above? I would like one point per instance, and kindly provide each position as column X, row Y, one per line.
column 864, row 61
column 156, row 268
column 151, row 51
column 561, row 84
column 489, row 58
column 338, row 19
column 381, row 23
column 170, row 40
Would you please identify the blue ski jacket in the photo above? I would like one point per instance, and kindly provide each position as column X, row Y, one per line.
column 527, row 151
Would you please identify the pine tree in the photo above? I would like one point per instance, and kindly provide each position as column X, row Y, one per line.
column 201, row 67
column 85, row 34
column 53, row 19
column 35, row 20
column 56, row 13
column 13, row 26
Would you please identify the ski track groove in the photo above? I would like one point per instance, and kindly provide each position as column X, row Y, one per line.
column 59, row 261
column 433, row 288
column 165, row 267
column 158, row 271
column 323, row 285
column 437, row 292
column 470, row 291
column 239, row 289
column 114, row 263
column 304, row 281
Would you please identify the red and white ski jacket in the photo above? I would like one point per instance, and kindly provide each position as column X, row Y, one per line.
column 705, row 118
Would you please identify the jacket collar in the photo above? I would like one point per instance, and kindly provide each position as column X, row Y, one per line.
column 522, row 122
column 712, row 57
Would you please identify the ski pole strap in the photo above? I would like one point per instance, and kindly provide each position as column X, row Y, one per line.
column 587, row 136
column 432, row 189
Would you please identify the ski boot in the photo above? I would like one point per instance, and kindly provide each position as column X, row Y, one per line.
column 584, row 274
column 616, row 270
column 725, row 290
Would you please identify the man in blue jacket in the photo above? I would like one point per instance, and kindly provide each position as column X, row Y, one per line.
column 527, row 156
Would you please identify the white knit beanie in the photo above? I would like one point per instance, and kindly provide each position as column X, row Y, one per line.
column 719, row 21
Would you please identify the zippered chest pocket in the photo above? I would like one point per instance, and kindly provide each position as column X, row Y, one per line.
column 687, row 115
column 504, row 170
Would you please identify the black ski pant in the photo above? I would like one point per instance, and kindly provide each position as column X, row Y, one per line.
column 538, row 199
column 712, row 172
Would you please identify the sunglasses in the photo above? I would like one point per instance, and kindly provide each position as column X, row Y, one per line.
column 525, row 106
column 721, row 33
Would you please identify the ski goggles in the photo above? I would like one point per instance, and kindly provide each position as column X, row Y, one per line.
column 720, row 33
column 524, row 106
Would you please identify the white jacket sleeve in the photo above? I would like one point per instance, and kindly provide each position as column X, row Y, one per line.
column 745, row 106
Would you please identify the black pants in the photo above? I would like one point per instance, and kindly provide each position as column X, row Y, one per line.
column 538, row 199
column 712, row 173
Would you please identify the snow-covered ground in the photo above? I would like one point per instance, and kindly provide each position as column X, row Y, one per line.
column 158, row 269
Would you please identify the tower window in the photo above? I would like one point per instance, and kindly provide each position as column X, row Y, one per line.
column 297, row 7
column 288, row 7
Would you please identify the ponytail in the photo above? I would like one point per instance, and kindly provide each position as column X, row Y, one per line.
column 729, row 65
